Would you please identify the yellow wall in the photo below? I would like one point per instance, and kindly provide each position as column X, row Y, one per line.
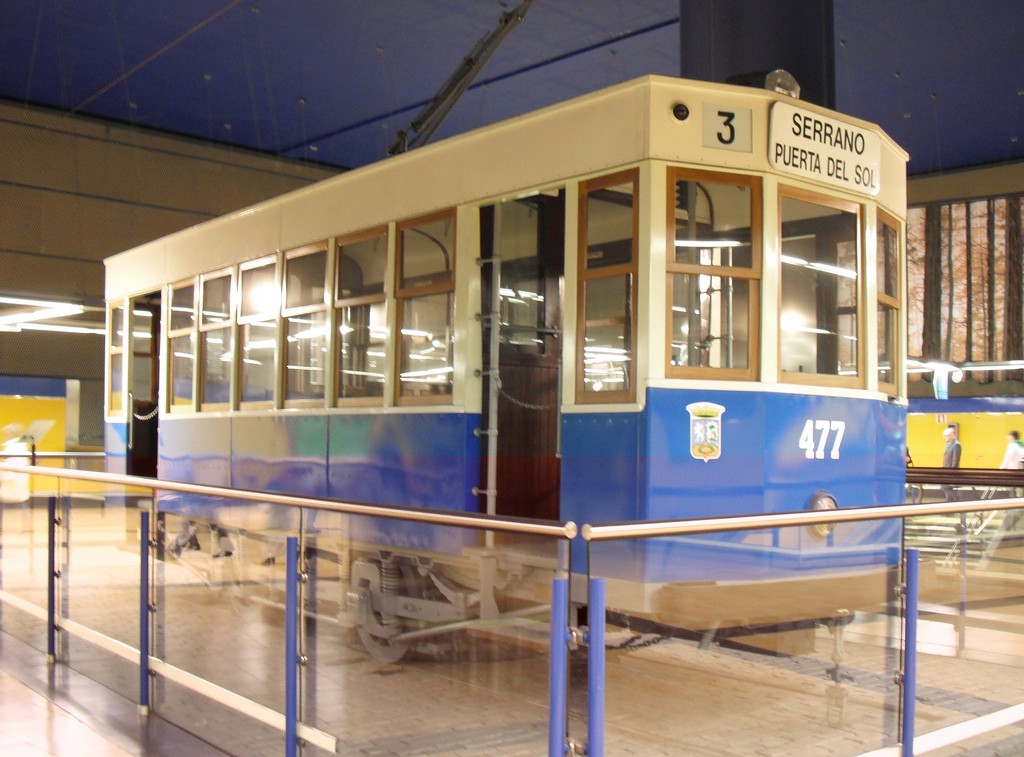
column 983, row 436
column 24, row 410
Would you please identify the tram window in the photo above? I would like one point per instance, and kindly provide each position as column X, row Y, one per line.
column 145, row 333
column 259, row 350
column 426, row 283
column 607, row 348
column 259, row 306
column 521, row 293
column 427, row 251
column 889, row 301
column 217, row 364
column 887, row 325
column 363, row 334
column 116, row 404
column 260, row 292
column 181, row 344
column 710, row 321
column 363, row 337
column 306, row 325
column 116, row 364
column 216, row 305
column 608, row 273
column 818, row 317
column 183, row 309
column 362, row 266
column 306, row 356
column 714, row 272
column 215, row 340
column 888, row 250
column 305, row 277
column 182, row 363
column 425, row 370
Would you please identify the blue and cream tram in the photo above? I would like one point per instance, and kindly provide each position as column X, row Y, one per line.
column 661, row 300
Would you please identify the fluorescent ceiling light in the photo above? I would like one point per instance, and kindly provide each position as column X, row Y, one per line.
column 41, row 314
column 59, row 328
column 705, row 243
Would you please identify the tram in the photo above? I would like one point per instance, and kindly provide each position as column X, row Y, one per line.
column 665, row 299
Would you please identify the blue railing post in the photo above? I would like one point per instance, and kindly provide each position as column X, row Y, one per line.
column 51, row 580
column 291, row 650
column 910, row 654
column 595, row 668
column 559, row 667
column 144, row 611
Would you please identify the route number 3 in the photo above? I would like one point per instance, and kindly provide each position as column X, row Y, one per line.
column 727, row 128
column 727, row 134
column 815, row 438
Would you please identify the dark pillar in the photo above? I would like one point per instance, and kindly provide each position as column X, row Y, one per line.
column 722, row 39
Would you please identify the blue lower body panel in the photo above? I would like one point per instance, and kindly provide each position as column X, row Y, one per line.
column 694, row 453
column 423, row 460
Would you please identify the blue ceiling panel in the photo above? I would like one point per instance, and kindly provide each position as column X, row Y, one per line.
column 332, row 80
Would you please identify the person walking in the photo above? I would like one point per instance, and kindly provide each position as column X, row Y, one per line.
column 1013, row 458
column 951, row 455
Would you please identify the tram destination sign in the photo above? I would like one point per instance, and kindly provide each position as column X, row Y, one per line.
column 813, row 146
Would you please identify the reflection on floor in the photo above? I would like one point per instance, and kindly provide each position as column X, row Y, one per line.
column 56, row 711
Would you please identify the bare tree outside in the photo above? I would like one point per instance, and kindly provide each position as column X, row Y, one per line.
column 966, row 284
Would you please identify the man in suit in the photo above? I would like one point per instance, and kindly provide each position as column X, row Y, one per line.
column 951, row 455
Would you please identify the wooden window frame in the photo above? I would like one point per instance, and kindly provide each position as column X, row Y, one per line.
column 849, row 206
column 339, row 303
column 753, row 274
column 895, row 303
column 587, row 275
column 405, row 293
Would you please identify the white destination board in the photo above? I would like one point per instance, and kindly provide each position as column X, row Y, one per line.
column 814, row 146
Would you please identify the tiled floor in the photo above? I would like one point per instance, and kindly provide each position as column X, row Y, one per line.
column 31, row 724
column 55, row 711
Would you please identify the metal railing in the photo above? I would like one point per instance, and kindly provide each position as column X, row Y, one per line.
column 562, row 637
column 548, row 557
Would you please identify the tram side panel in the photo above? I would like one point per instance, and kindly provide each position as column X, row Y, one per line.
column 716, row 453
column 424, row 460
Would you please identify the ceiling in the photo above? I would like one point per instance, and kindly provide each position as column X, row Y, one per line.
column 332, row 81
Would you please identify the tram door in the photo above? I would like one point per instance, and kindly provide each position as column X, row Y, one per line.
column 144, row 321
column 524, row 240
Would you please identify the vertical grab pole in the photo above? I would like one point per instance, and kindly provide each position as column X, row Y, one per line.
column 144, row 611
column 291, row 657
column 910, row 655
column 595, row 668
column 559, row 668
column 51, row 580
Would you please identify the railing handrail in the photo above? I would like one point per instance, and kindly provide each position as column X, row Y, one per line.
column 965, row 476
column 558, row 529
column 55, row 455
column 613, row 531
column 590, row 532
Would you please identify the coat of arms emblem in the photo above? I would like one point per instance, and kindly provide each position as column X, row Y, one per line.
column 705, row 430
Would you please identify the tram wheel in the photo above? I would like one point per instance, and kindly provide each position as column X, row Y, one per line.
column 380, row 648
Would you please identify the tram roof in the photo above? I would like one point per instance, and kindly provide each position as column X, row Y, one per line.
column 588, row 135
